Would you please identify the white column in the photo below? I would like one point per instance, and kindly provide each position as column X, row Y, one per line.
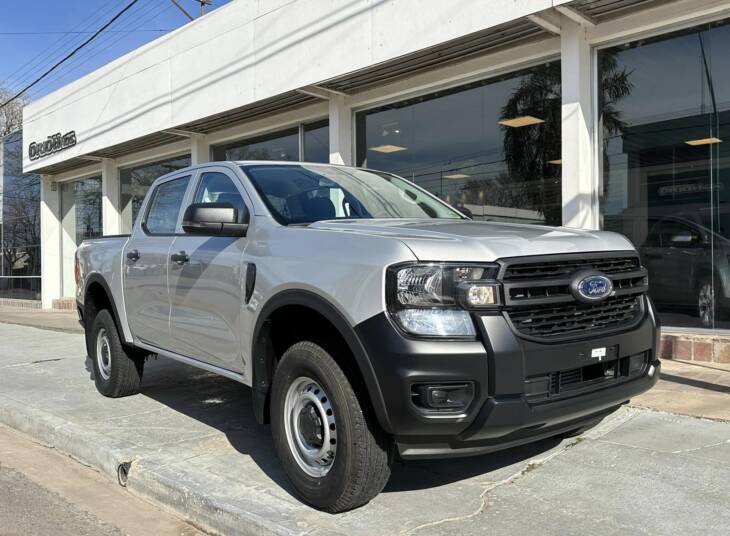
column 340, row 117
column 51, row 269
column 199, row 149
column 111, row 203
column 580, row 178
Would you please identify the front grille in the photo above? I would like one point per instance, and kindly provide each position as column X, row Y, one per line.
column 540, row 304
column 585, row 378
column 563, row 268
column 576, row 318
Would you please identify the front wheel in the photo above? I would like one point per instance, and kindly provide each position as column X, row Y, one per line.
column 335, row 458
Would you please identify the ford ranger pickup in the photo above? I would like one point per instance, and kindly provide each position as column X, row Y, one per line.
column 370, row 319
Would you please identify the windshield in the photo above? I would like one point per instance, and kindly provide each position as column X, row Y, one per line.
column 306, row 193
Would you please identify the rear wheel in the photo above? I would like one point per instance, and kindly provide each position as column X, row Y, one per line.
column 334, row 456
column 117, row 369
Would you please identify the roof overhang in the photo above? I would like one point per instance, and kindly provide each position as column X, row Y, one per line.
column 238, row 64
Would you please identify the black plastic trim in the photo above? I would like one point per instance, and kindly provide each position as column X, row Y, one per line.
column 581, row 336
column 261, row 380
column 500, row 414
column 98, row 278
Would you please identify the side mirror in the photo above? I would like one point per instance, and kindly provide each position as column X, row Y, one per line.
column 214, row 219
column 684, row 238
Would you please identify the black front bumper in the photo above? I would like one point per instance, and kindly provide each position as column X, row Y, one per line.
column 502, row 413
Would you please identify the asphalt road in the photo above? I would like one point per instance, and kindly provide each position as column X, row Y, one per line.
column 28, row 508
column 45, row 493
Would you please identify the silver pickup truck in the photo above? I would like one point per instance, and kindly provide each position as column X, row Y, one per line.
column 370, row 319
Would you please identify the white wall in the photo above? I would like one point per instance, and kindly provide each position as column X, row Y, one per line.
column 243, row 52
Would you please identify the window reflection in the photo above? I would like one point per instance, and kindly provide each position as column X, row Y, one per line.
column 20, row 260
column 136, row 181
column 80, row 219
column 664, row 112
column 279, row 146
column 317, row 142
column 491, row 148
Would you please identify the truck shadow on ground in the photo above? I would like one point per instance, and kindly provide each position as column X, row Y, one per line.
column 225, row 405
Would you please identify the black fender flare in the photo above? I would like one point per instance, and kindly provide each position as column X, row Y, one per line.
column 99, row 279
column 261, row 369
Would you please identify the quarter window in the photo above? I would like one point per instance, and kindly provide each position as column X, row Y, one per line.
column 165, row 206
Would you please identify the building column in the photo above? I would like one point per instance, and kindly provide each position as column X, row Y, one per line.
column 199, row 149
column 580, row 184
column 340, row 117
column 111, row 203
column 51, row 267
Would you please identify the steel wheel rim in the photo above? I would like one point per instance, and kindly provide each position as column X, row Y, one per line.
column 103, row 354
column 310, row 427
column 706, row 303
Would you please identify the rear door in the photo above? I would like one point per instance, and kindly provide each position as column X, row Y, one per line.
column 146, row 261
column 206, row 286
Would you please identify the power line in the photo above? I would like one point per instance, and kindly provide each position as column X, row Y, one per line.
column 87, row 33
column 55, row 49
column 74, row 51
column 98, row 47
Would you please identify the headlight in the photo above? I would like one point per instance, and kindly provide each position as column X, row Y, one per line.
column 432, row 300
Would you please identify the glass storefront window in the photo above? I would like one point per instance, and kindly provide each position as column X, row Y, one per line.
column 490, row 148
column 317, row 142
column 665, row 113
column 80, row 219
column 282, row 145
column 137, row 180
column 20, row 228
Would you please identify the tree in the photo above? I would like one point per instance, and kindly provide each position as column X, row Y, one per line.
column 532, row 153
column 20, row 216
column 11, row 116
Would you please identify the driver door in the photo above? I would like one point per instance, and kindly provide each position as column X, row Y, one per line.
column 207, row 276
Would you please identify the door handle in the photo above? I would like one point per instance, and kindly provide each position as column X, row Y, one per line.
column 180, row 257
column 133, row 255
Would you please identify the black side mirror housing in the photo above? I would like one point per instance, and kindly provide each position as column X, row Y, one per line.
column 215, row 219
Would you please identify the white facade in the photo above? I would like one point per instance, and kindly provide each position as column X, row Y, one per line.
column 249, row 52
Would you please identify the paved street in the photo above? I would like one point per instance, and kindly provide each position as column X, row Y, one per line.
column 192, row 445
column 46, row 493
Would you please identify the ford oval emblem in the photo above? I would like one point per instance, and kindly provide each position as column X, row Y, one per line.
column 591, row 287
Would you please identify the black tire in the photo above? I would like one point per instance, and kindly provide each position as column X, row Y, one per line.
column 119, row 372
column 361, row 465
column 708, row 309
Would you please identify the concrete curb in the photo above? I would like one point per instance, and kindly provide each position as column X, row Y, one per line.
column 151, row 478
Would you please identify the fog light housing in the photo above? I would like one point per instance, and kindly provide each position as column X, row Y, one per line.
column 636, row 364
column 443, row 397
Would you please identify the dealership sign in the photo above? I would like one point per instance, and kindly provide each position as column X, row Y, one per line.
column 53, row 144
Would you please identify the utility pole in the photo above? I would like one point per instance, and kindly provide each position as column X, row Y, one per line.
column 203, row 3
column 184, row 11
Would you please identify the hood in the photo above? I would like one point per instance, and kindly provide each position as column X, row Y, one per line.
column 472, row 241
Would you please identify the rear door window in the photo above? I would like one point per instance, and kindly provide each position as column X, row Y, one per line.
column 165, row 206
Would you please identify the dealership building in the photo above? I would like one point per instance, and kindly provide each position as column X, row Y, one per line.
column 598, row 114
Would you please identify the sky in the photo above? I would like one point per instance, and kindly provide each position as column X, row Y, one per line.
column 35, row 34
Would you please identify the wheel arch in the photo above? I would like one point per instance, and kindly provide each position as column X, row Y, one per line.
column 98, row 296
column 263, row 357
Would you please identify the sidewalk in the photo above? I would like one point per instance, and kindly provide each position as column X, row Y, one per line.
column 190, row 444
column 690, row 388
column 64, row 321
